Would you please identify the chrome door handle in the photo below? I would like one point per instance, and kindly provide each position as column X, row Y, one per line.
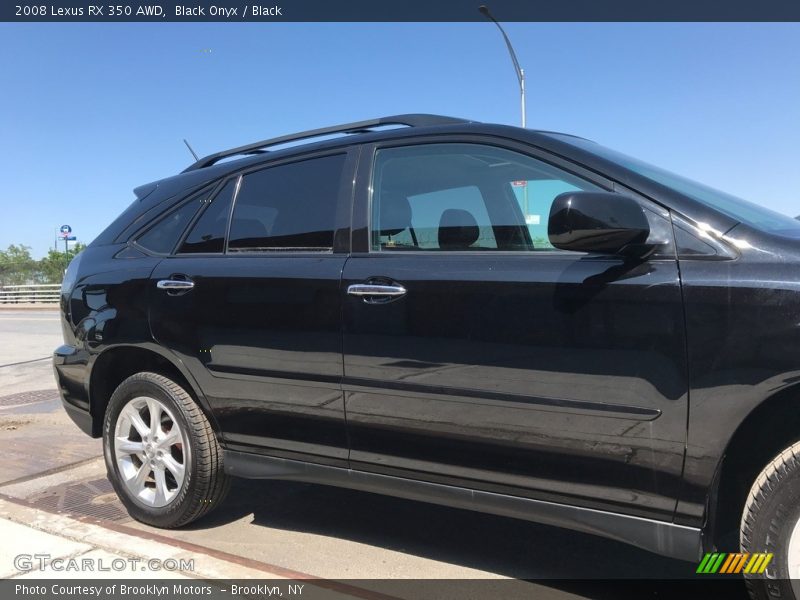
column 175, row 285
column 375, row 290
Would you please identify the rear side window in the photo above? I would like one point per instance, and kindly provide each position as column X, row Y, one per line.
column 208, row 233
column 288, row 207
column 163, row 236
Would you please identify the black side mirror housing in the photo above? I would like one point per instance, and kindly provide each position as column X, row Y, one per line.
column 598, row 222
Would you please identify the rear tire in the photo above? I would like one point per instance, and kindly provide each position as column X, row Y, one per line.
column 771, row 524
column 161, row 454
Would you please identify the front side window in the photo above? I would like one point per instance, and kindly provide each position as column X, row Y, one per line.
column 464, row 197
column 288, row 207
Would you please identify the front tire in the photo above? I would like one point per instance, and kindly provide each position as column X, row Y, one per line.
column 161, row 453
column 771, row 524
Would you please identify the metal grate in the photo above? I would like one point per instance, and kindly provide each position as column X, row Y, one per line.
column 28, row 397
column 94, row 498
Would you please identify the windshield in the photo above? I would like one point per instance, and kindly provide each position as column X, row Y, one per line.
column 743, row 211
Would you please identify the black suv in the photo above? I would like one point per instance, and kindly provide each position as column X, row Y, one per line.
column 517, row 322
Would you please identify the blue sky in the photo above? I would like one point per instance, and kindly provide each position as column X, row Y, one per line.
column 89, row 111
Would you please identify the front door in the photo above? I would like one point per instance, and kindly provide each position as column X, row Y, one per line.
column 478, row 355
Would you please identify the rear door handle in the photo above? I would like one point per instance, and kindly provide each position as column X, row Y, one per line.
column 175, row 286
column 371, row 289
column 374, row 293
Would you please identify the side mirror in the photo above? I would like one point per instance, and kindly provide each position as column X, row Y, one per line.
column 600, row 222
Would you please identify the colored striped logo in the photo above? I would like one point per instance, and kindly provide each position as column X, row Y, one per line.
column 723, row 562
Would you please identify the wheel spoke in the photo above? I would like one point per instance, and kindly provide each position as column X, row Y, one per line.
column 154, row 408
column 136, row 420
column 127, row 447
column 173, row 436
column 161, row 485
column 139, row 479
column 176, row 468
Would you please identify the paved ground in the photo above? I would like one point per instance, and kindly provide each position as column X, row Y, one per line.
column 277, row 528
column 27, row 339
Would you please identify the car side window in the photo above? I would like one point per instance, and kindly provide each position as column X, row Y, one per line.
column 460, row 197
column 288, row 207
column 208, row 233
column 164, row 235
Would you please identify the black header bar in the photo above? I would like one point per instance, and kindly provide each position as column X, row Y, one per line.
column 62, row 11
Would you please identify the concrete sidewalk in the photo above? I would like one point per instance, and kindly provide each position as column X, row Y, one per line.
column 40, row 545
column 34, row 540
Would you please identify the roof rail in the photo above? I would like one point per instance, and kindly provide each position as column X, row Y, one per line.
column 413, row 120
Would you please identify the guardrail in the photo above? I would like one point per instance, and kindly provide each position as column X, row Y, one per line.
column 45, row 293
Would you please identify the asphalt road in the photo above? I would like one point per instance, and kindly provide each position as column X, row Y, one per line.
column 27, row 340
column 28, row 335
column 320, row 531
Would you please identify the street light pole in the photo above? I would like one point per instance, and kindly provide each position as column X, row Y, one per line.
column 520, row 73
column 484, row 10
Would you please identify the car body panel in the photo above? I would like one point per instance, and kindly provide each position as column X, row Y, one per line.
column 262, row 337
column 743, row 323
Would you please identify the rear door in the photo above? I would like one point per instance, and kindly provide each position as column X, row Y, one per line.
column 478, row 355
column 257, row 319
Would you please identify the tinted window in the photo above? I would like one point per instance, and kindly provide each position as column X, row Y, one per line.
column 288, row 207
column 464, row 197
column 163, row 236
column 208, row 234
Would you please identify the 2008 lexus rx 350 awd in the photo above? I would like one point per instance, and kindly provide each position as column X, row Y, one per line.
column 511, row 321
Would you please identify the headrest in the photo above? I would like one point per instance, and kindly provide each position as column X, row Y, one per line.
column 458, row 229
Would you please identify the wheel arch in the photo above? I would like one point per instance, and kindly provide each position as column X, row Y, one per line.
column 116, row 363
column 772, row 426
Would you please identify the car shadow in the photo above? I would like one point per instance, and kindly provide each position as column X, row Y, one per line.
column 582, row 564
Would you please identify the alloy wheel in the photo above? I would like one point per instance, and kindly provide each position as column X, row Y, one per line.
column 151, row 451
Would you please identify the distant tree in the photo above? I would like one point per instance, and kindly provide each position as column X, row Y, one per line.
column 51, row 268
column 16, row 265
